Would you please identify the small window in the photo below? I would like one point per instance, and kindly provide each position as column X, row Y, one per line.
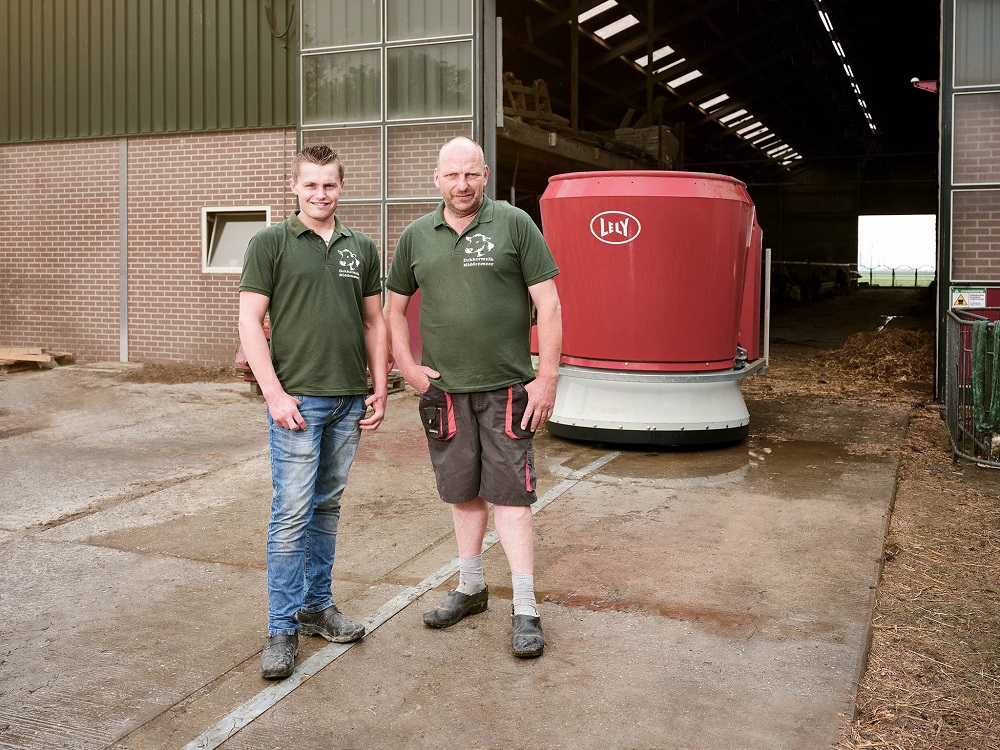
column 225, row 234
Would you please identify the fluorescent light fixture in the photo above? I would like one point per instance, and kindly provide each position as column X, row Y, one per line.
column 838, row 48
column 596, row 11
column 752, row 126
column 617, row 27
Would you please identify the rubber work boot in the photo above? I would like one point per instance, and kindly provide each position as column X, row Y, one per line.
column 330, row 624
column 526, row 640
column 456, row 606
column 278, row 657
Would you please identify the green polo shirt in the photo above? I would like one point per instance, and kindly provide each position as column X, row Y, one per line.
column 474, row 302
column 317, row 293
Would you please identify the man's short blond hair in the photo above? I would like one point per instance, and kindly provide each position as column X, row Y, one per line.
column 319, row 154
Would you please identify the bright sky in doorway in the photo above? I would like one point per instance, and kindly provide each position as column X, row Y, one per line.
column 895, row 241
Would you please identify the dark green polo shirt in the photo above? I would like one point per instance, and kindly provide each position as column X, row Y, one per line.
column 317, row 293
column 474, row 302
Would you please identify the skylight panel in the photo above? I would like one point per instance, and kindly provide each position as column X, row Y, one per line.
column 674, row 64
column 658, row 54
column 596, row 10
column 708, row 104
column 752, row 126
column 686, row 78
column 617, row 27
column 732, row 116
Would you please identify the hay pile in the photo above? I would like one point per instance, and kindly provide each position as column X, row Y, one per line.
column 933, row 677
column 897, row 356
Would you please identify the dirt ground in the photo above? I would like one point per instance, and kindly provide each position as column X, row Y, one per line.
column 933, row 675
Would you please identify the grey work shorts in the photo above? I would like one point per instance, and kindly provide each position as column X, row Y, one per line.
column 477, row 446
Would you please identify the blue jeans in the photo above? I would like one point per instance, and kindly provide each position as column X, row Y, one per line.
column 309, row 472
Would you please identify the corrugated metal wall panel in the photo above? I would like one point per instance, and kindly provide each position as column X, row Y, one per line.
column 86, row 68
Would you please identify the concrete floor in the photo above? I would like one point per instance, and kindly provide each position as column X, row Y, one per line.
column 691, row 599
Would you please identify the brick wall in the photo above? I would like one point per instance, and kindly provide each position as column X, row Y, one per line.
column 975, row 239
column 59, row 247
column 176, row 311
column 59, row 228
column 977, row 138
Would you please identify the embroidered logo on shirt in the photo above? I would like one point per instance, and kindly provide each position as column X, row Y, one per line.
column 349, row 264
column 477, row 251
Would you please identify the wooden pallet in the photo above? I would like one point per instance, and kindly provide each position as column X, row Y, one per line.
column 16, row 359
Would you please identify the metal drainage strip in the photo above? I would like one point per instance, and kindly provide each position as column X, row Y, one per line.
column 234, row 721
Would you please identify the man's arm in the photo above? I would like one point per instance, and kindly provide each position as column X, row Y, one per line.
column 399, row 341
column 377, row 347
column 542, row 390
column 284, row 408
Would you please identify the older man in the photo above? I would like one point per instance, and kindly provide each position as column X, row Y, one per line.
column 479, row 265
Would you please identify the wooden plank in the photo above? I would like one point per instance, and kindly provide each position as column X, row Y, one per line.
column 13, row 352
column 25, row 355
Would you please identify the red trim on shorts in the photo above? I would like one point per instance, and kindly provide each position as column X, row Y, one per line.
column 527, row 475
column 508, row 426
column 452, row 429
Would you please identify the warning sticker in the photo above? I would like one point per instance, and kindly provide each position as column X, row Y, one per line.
column 964, row 297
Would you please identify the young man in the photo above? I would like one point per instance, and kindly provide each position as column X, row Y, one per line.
column 479, row 265
column 320, row 282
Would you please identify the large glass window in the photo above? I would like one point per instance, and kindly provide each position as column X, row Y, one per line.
column 977, row 43
column 341, row 87
column 386, row 83
column 342, row 22
column 422, row 19
column 430, row 80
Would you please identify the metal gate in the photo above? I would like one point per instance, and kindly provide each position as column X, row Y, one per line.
column 972, row 384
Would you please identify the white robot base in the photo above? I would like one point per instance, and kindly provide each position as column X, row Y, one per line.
column 676, row 408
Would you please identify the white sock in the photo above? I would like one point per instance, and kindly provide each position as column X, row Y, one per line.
column 470, row 575
column 524, row 595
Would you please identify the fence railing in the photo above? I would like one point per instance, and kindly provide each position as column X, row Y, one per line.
column 906, row 276
column 801, row 279
column 972, row 390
